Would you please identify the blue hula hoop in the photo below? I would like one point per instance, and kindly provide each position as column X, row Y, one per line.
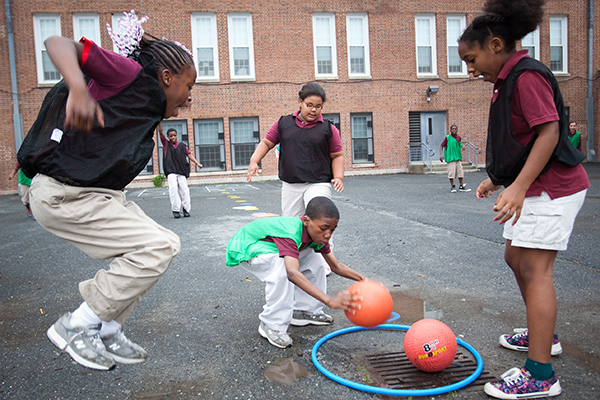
column 394, row 392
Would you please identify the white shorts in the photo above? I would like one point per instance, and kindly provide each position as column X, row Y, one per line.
column 545, row 223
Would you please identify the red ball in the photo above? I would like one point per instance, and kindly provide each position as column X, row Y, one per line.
column 430, row 345
column 376, row 306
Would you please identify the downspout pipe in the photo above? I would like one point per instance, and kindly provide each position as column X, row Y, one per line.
column 17, row 119
column 589, row 101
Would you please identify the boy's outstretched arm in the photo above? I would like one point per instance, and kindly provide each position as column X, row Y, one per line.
column 81, row 107
column 193, row 159
column 344, row 300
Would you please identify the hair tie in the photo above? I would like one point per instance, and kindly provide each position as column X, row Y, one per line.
column 180, row 45
column 128, row 40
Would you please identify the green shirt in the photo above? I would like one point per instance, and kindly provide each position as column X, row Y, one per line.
column 247, row 242
column 23, row 179
column 452, row 152
column 575, row 139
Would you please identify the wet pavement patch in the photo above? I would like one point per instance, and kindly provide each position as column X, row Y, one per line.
column 285, row 370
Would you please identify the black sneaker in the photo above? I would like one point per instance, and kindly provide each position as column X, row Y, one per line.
column 176, row 214
column 302, row 318
column 453, row 189
column 185, row 213
column 463, row 188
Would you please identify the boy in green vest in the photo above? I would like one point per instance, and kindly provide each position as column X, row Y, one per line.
column 24, row 183
column 286, row 254
column 575, row 135
column 453, row 156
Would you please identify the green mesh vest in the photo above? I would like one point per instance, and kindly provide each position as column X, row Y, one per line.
column 247, row 244
column 452, row 151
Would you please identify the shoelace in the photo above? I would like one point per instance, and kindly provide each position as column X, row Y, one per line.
column 95, row 339
column 513, row 376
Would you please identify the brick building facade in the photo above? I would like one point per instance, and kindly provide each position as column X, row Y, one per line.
column 388, row 69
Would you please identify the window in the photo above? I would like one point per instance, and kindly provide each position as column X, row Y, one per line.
column 324, row 46
column 44, row 26
column 241, row 48
column 204, row 42
column 362, row 138
column 182, row 136
column 531, row 43
column 334, row 119
column 210, row 144
column 425, row 31
column 455, row 25
column 357, row 29
column 88, row 26
column 244, row 139
column 558, row 44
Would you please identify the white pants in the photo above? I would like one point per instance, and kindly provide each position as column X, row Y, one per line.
column 295, row 196
column 282, row 296
column 179, row 193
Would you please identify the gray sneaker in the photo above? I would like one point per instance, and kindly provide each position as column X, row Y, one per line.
column 82, row 343
column 302, row 318
column 123, row 350
column 278, row 339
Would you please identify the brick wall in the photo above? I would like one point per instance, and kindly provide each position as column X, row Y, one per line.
column 283, row 53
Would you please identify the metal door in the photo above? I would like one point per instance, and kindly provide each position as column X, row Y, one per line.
column 433, row 131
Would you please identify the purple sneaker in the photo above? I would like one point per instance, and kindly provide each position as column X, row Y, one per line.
column 519, row 341
column 518, row 384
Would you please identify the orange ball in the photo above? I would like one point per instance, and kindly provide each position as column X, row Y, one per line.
column 376, row 306
column 430, row 345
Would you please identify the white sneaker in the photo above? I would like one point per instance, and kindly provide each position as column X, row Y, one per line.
column 123, row 350
column 82, row 343
column 278, row 339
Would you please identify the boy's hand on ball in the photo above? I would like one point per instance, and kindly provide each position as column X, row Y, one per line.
column 344, row 300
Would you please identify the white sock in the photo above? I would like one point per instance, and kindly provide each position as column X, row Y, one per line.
column 84, row 316
column 109, row 328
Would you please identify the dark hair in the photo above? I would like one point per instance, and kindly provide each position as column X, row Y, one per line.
column 453, row 126
column 510, row 20
column 171, row 130
column 321, row 207
column 312, row 89
column 167, row 54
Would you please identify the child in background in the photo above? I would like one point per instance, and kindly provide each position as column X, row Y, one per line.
column 95, row 138
column 285, row 253
column 545, row 185
column 575, row 135
column 177, row 170
column 453, row 156
column 24, row 184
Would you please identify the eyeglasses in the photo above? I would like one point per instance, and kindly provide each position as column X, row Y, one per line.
column 311, row 106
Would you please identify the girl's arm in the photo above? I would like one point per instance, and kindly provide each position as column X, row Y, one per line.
column 510, row 201
column 337, row 167
column 81, row 107
column 261, row 151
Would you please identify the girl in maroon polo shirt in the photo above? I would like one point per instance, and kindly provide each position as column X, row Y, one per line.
column 545, row 184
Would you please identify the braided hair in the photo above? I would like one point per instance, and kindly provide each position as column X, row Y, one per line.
column 509, row 20
column 167, row 54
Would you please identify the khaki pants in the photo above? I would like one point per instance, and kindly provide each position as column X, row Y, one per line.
column 103, row 224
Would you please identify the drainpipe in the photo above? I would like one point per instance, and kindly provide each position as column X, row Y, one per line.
column 589, row 101
column 17, row 119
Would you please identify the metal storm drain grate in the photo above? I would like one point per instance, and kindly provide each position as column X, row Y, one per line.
column 395, row 371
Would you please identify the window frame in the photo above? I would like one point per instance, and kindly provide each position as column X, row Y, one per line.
column 214, row 45
column 76, row 28
column 432, row 45
column 251, row 76
column 536, row 43
column 40, row 48
column 221, row 144
column 370, row 146
column 256, row 140
column 365, row 39
column 332, row 45
column 565, row 40
column 453, row 42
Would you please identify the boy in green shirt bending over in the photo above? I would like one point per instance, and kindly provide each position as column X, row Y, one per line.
column 286, row 254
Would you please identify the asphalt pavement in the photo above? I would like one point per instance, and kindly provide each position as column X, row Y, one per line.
column 439, row 253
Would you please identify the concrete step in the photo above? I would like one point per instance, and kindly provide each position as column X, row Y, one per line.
column 438, row 167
